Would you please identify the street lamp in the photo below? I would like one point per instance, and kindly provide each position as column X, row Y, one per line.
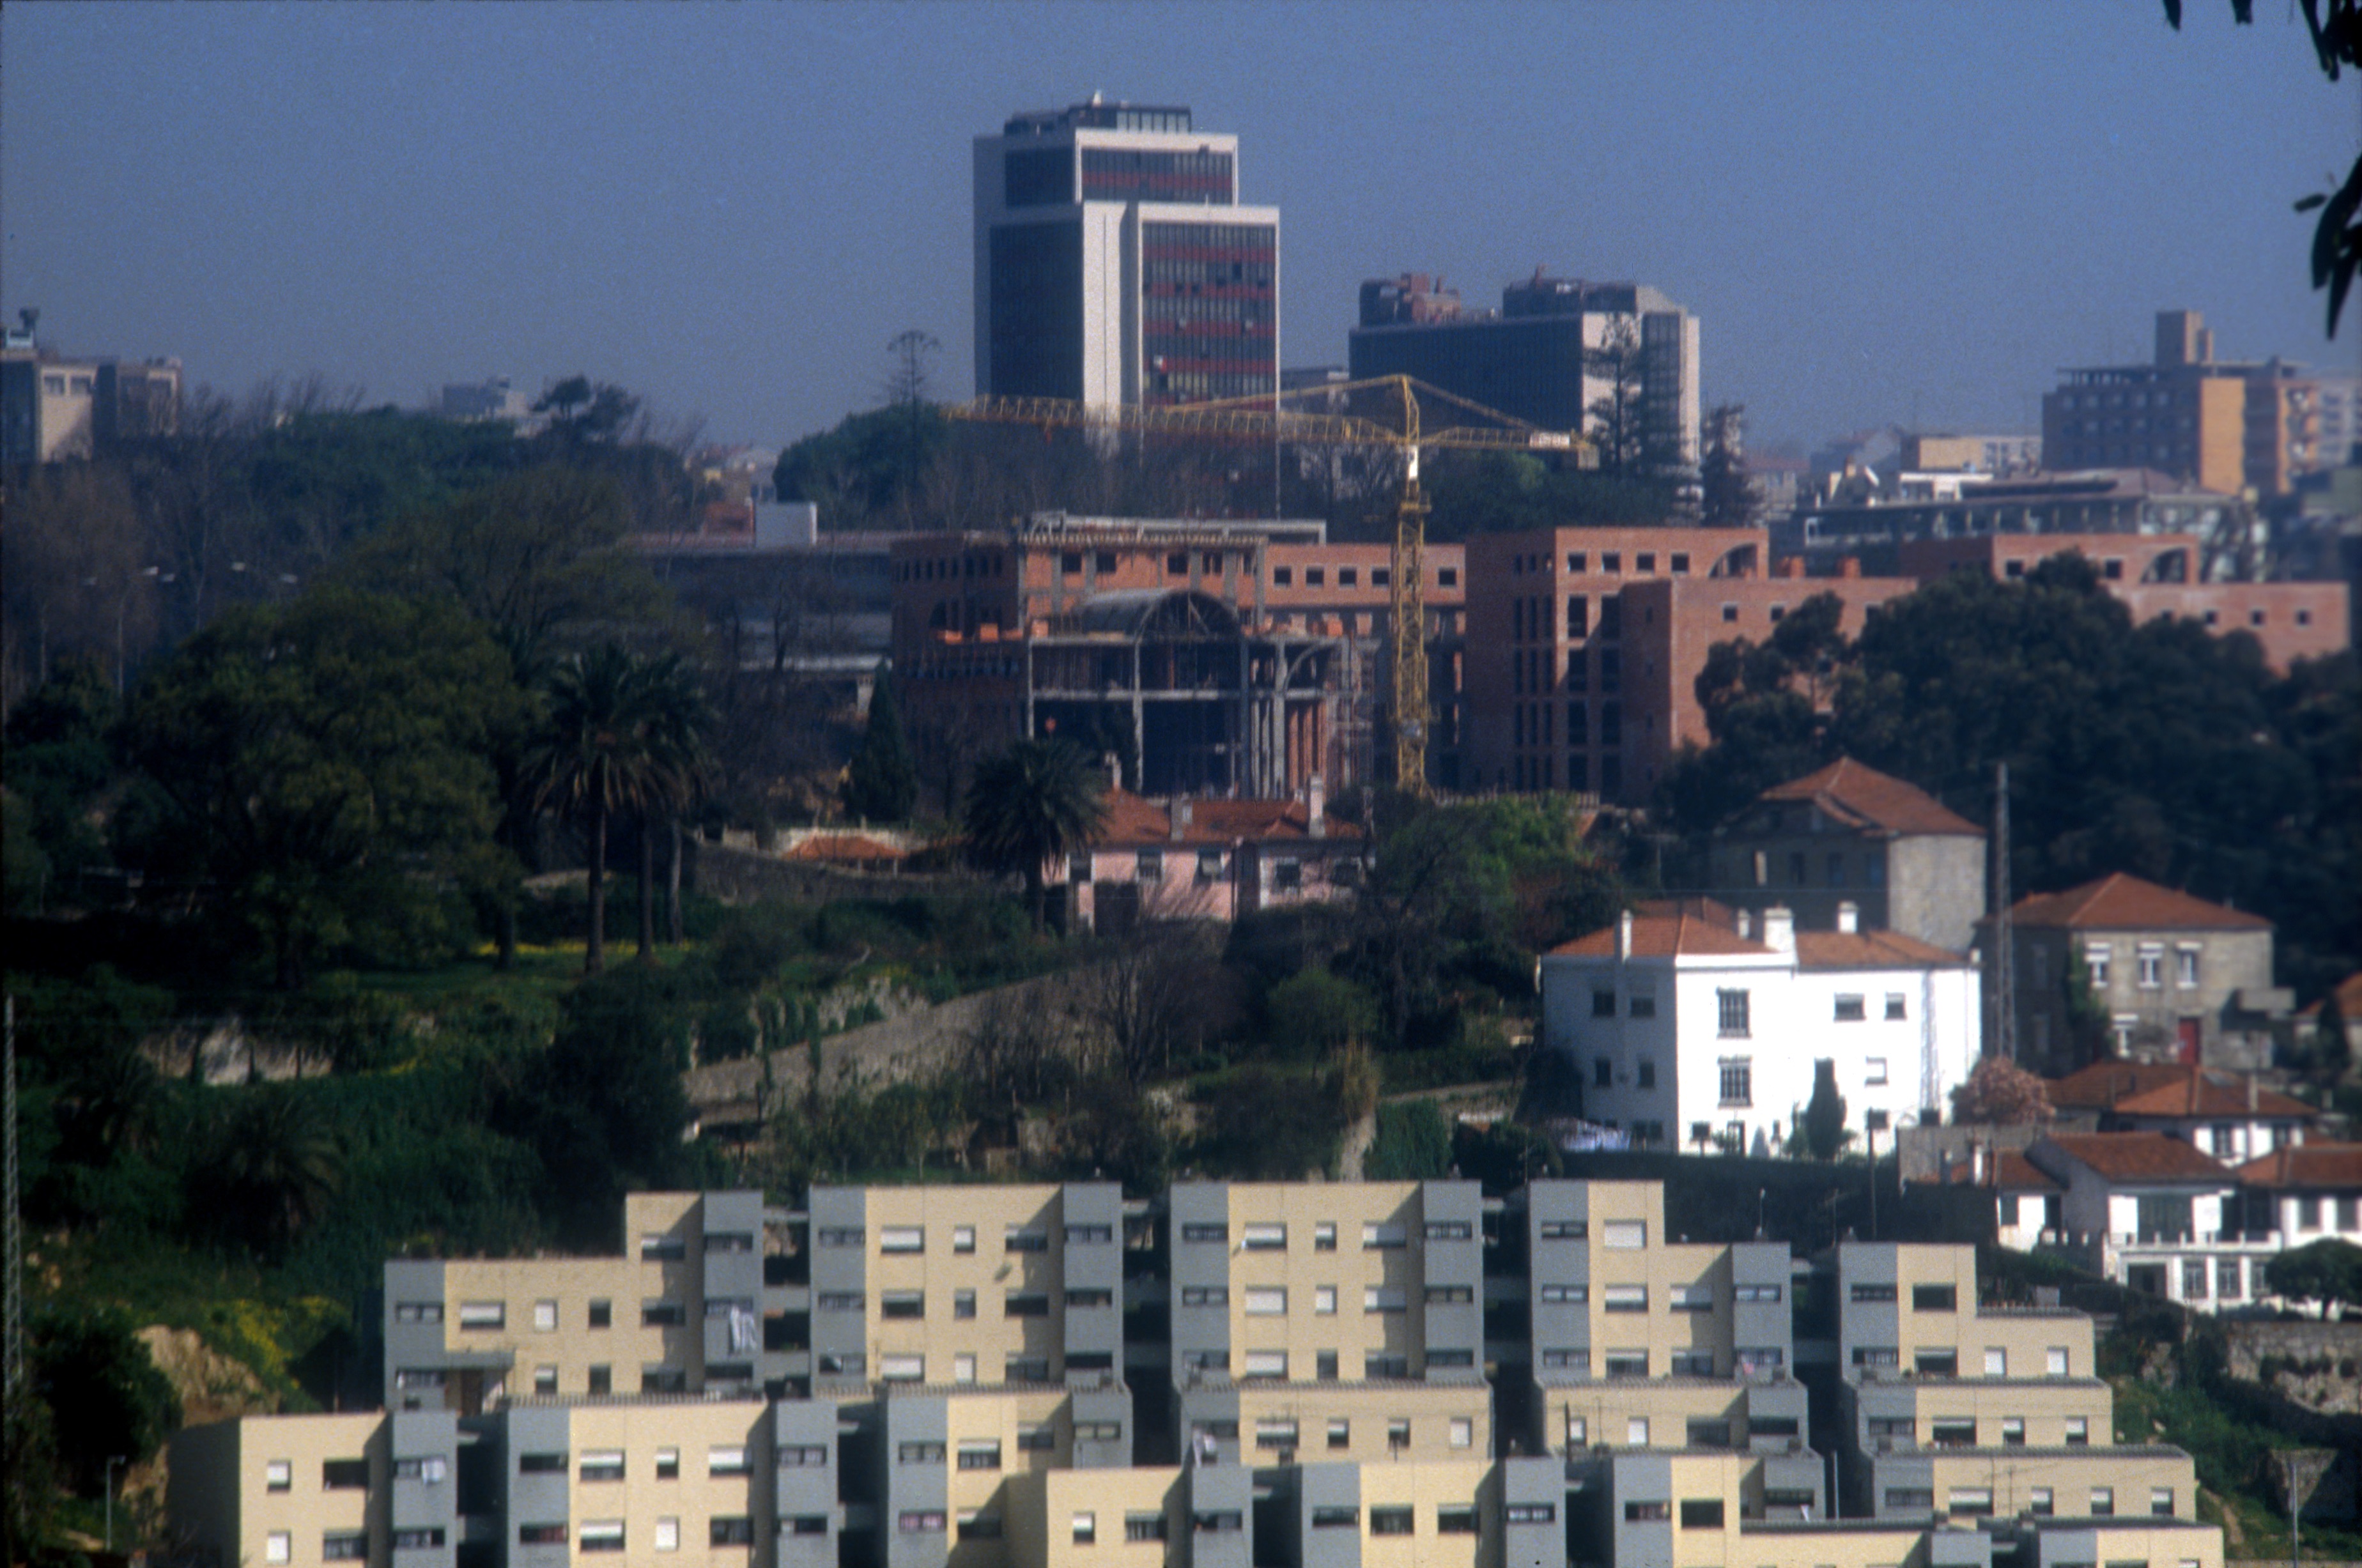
column 111, row 1463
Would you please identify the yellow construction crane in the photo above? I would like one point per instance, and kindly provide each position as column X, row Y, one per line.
column 1401, row 428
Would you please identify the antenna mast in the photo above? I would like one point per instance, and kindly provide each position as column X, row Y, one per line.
column 2005, row 955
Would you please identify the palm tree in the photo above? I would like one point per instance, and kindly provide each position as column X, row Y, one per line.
column 1037, row 802
column 678, row 718
column 604, row 751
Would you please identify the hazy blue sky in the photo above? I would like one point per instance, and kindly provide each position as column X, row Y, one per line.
column 1872, row 208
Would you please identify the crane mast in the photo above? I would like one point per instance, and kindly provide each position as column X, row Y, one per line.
column 1263, row 417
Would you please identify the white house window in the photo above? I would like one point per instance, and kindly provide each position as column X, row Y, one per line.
column 1895, row 1011
column 2151, row 962
column 1850, row 1010
column 1874, row 1071
column 2095, row 962
column 1266, row 1301
column 1731, row 1008
column 902, row 1239
column 2185, row 966
column 1738, row 1077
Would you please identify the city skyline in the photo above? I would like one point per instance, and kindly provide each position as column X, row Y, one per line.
column 1906, row 215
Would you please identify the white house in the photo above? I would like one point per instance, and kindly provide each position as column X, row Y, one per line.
column 1687, row 1028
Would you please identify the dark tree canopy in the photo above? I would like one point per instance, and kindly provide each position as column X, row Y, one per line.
column 882, row 782
column 1037, row 802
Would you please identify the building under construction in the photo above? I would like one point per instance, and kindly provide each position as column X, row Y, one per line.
column 1210, row 658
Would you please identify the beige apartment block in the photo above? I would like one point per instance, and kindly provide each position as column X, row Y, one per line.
column 1365, row 1422
column 1653, row 1412
column 671, row 1476
column 1926, row 1318
column 966, row 1282
column 284, row 1491
column 2062, row 1483
column 1985, row 1412
column 1077, row 1519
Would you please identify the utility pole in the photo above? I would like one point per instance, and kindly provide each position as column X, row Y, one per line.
column 2004, row 962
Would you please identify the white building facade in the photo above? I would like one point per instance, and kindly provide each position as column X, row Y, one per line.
column 1114, row 263
column 1689, row 1032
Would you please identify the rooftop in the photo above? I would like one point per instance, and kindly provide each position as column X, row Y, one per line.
column 2306, row 1165
column 2202, row 1093
column 1135, row 820
column 1864, row 798
column 1870, row 950
column 2121, row 901
column 2134, row 1156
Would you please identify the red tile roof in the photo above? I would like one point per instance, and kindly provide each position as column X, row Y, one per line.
column 1132, row 820
column 2100, row 1084
column 2136, row 1157
column 851, row 848
column 1864, row 798
column 2202, row 1093
column 1664, row 936
column 2306, row 1165
column 2008, row 1169
column 1870, row 950
column 2121, row 902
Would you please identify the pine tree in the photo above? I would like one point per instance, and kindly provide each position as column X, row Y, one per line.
column 1728, row 498
column 882, row 785
column 1824, row 1113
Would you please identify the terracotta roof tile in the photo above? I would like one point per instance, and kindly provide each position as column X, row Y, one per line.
column 1870, row 950
column 2120, row 901
column 2136, row 1157
column 2306, row 1165
column 2202, row 1093
column 2100, row 1084
column 2008, row 1170
column 849, row 847
column 1863, row 797
column 1664, row 937
column 1135, row 820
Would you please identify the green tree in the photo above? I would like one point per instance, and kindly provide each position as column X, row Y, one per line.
column 323, row 765
column 1036, row 802
column 2327, row 1271
column 1320, row 1011
column 613, row 744
column 882, row 784
column 275, row 1169
column 2336, row 29
column 1413, row 1143
column 679, row 721
column 105, row 1397
column 1727, row 497
column 1824, row 1113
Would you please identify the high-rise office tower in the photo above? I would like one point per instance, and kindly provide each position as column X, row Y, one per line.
column 1114, row 263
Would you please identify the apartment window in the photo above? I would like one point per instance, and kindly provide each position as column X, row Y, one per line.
column 1876, row 1355
column 2079, row 1432
column 483, row 1314
column 279, row 1475
column 2095, row 964
column 1730, row 1007
column 418, row 1539
column 1210, row 1234
column 2054, row 1361
column 1565, row 1295
column 545, row 1317
column 1603, row 1004
column 1091, row 1299
column 963, row 1367
column 1996, row 1362
column 1874, row 1071
column 600, row 1535
column 1144, row 1527
column 2228, row 1285
column 1264, row 1238
column 976, row 1524
column 1910, row 1499
column 1702, row 1513
column 418, row 1312
column 1025, row 1238
column 1336, row 1516
column 1755, row 1293
column 1205, row 1296
column 1324, row 1236
column 901, row 1304
column 1692, row 1298
column 1266, row 1363
column 1626, row 1364
column 1529, row 1514
column 1691, row 1363
column 918, row 1522
column 2185, row 966
column 1025, row 1304
column 1390, row 1520
column 1970, row 1502
column 1850, row 1010
column 1089, row 1235
column 352, row 1474
column 662, row 1314
column 1565, row 1230
column 1025, row 1369
column 963, row 1303
column 2193, row 1280
column 2103, row 1502
column 1934, row 1299
column 1871, row 1292
column 725, row 1461
column 2150, row 962
column 1737, row 1080
column 919, row 1453
column 963, row 1238
column 2013, row 1431
column 902, row 1239
column 344, row 1546
column 602, row 1314
column 667, row 1464
column 2160, row 1502
column 1376, row 1234
column 2038, row 1503
column 803, row 1456
column 1315, row 577
column 1086, row 1528
column 541, row 1534
column 979, row 1456
column 1624, row 1235
column 1041, row 1438
column 602, row 1464
column 1382, row 1298
column 1953, row 1431
column 663, row 1249
column 1283, row 576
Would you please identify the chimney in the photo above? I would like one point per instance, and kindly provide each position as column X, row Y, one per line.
column 1849, row 566
column 1849, row 916
column 1315, row 808
column 1780, row 929
column 1624, row 935
column 1792, row 567
column 1180, row 815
